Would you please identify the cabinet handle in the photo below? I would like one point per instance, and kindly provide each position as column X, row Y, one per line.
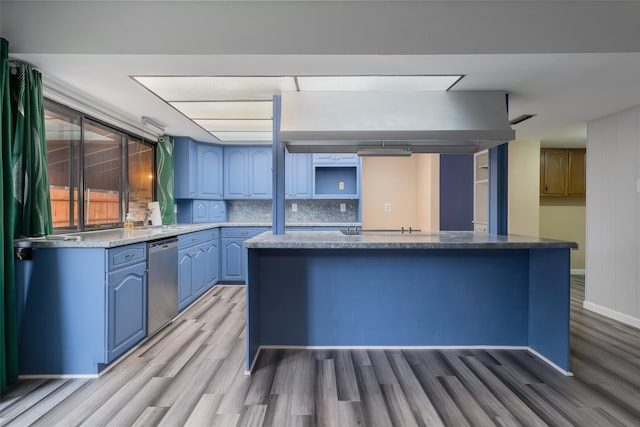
column 194, row 253
column 129, row 255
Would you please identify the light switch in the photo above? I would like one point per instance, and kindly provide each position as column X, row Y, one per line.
column 294, row 207
column 341, row 185
column 343, row 207
column 387, row 207
column 638, row 185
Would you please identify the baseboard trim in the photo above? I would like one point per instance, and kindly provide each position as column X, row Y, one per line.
column 550, row 363
column 427, row 347
column 612, row 314
column 578, row 271
column 61, row 376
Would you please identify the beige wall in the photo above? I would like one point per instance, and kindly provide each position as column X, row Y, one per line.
column 565, row 218
column 409, row 184
column 524, row 187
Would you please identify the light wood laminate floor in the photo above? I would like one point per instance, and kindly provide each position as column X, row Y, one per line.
column 192, row 374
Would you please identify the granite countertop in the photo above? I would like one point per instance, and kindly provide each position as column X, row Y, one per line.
column 433, row 240
column 118, row 236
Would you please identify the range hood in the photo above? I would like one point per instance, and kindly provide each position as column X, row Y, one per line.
column 397, row 123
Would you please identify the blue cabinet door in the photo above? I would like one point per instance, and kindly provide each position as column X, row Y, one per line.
column 260, row 177
column 126, row 309
column 184, row 161
column 232, row 259
column 298, row 176
column 235, row 173
column 201, row 211
column 247, row 173
column 218, row 212
column 211, row 265
column 198, row 268
column 185, row 277
column 209, row 172
column 335, row 158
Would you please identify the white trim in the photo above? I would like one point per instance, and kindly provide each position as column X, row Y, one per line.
column 395, row 347
column 612, row 314
column 417, row 347
column 550, row 363
column 578, row 271
column 253, row 362
column 48, row 376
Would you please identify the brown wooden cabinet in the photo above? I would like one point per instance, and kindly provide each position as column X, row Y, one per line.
column 562, row 172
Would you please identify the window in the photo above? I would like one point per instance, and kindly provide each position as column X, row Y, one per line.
column 97, row 172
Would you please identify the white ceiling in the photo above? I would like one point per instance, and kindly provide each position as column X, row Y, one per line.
column 565, row 89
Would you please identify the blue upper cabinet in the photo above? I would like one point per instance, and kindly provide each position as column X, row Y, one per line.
column 336, row 158
column 247, row 172
column 298, row 176
column 197, row 170
column 184, row 168
column 336, row 176
column 209, row 172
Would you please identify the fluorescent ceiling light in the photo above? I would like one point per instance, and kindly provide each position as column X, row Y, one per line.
column 225, row 109
column 384, row 151
column 149, row 123
column 375, row 83
column 236, row 125
column 214, row 88
column 243, row 136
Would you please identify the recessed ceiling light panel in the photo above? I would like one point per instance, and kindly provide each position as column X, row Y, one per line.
column 375, row 83
column 225, row 109
column 243, row 136
column 236, row 125
column 215, row 88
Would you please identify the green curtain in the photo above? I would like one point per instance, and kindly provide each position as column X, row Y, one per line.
column 164, row 171
column 8, row 326
column 29, row 155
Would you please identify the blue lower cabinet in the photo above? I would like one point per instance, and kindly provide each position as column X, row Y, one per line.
column 233, row 259
column 126, row 309
column 198, row 265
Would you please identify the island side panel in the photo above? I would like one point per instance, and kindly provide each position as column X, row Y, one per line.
column 62, row 323
column 252, row 306
column 392, row 297
column 549, row 304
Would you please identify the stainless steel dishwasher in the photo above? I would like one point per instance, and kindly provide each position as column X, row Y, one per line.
column 162, row 283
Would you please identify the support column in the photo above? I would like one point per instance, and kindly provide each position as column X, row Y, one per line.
column 278, row 170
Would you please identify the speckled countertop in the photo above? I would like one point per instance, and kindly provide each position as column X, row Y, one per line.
column 434, row 240
column 119, row 236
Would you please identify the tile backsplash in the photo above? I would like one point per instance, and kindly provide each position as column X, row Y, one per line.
column 309, row 211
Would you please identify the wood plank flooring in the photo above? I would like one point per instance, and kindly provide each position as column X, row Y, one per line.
column 191, row 374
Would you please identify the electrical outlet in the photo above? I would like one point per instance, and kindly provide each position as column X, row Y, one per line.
column 341, row 185
column 638, row 185
column 387, row 207
column 343, row 207
column 294, row 207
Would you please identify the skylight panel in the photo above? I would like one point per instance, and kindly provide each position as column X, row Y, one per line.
column 376, row 83
column 225, row 109
column 215, row 88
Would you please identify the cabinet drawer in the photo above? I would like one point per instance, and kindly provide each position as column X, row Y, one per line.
column 190, row 239
column 242, row 232
column 126, row 255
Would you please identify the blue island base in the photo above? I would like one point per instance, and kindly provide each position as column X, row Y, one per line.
column 517, row 298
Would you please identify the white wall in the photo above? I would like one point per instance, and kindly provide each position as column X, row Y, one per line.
column 613, row 216
column 524, row 187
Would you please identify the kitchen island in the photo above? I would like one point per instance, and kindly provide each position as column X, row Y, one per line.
column 432, row 290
